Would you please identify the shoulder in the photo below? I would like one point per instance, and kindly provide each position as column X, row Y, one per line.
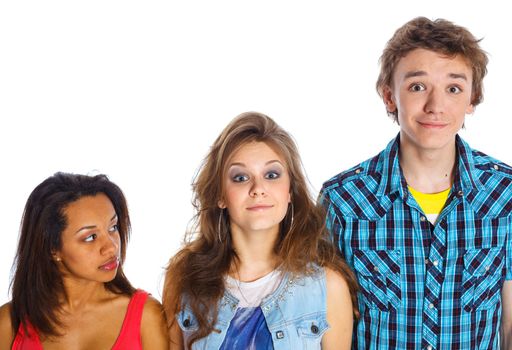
column 153, row 312
column 337, row 286
column 6, row 332
column 490, row 165
column 365, row 171
column 353, row 193
column 5, row 313
column 481, row 164
column 494, row 181
column 153, row 325
column 152, row 307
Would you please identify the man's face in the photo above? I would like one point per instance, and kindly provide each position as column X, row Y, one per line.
column 432, row 95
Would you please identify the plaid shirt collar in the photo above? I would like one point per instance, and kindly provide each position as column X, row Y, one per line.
column 393, row 180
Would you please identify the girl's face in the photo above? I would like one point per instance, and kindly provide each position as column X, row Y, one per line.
column 90, row 243
column 257, row 189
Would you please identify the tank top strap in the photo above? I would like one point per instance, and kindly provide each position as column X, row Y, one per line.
column 26, row 341
column 129, row 337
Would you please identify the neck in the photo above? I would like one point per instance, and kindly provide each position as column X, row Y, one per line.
column 426, row 170
column 79, row 294
column 255, row 251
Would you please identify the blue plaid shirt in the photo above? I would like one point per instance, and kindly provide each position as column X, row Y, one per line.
column 425, row 286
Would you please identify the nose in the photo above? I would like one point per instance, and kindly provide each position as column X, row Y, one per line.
column 435, row 102
column 110, row 244
column 257, row 188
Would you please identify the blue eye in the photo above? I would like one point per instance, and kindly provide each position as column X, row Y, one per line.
column 417, row 87
column 240, row 178
column 271, row 175
column 90, row 238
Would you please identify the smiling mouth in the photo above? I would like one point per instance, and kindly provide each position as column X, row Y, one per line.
column 432, row 124
column 110, row 265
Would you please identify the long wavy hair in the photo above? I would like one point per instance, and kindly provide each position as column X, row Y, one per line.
column 37, row 285
column 197, row 270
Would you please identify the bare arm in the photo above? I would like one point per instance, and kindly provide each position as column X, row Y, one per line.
column 175, row 334
column 506, row 316
column 176, row 337
column 153, row 327
column 339, row 313
column 6, row 333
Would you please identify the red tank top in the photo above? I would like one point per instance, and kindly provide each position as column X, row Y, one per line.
column 128, row 339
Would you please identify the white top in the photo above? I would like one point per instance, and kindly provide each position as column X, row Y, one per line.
column 250, row 294
column 432, row 218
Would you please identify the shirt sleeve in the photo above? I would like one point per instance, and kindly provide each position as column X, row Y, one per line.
column 508, row 250
column 333, row 222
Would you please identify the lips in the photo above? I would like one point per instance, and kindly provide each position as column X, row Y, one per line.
column 432, row 124
column 259, row 207
column 110, row 265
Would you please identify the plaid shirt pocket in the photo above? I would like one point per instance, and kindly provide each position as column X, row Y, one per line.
column 378, row 272
column 482, row 278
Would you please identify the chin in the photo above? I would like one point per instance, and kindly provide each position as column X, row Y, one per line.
column 108, row 278
column 106, row 281
column 435, row 145
column 263, row 226
column 433, row 142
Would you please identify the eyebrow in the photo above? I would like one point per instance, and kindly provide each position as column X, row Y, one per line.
column 416, row 73
column 243, row 165
column 93, row 226
column 458, row 76
column 419, row 73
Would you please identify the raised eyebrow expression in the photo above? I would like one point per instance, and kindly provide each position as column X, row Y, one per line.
column 232, row 165
column 114, row 218
column 421, row 73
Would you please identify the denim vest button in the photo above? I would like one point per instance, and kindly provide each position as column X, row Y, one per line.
column 314, row 329
column 279, row 334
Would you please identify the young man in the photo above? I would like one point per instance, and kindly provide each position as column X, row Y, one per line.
column 427, row 223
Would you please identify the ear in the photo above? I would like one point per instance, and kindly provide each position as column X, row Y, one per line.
column 56, row 257
column 389, row 99
column 289, row 197
column 221, row 204
column 470, row 109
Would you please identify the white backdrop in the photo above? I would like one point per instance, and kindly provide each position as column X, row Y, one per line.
column 138, row 90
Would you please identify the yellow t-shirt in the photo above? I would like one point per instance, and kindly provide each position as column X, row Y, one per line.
column 430, row 203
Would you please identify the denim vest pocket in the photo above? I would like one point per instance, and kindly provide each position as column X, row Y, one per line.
column 482, row 278
column 378, row 273
column 311, row 330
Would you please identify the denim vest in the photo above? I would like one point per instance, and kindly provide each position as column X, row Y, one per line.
column 295, row 313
